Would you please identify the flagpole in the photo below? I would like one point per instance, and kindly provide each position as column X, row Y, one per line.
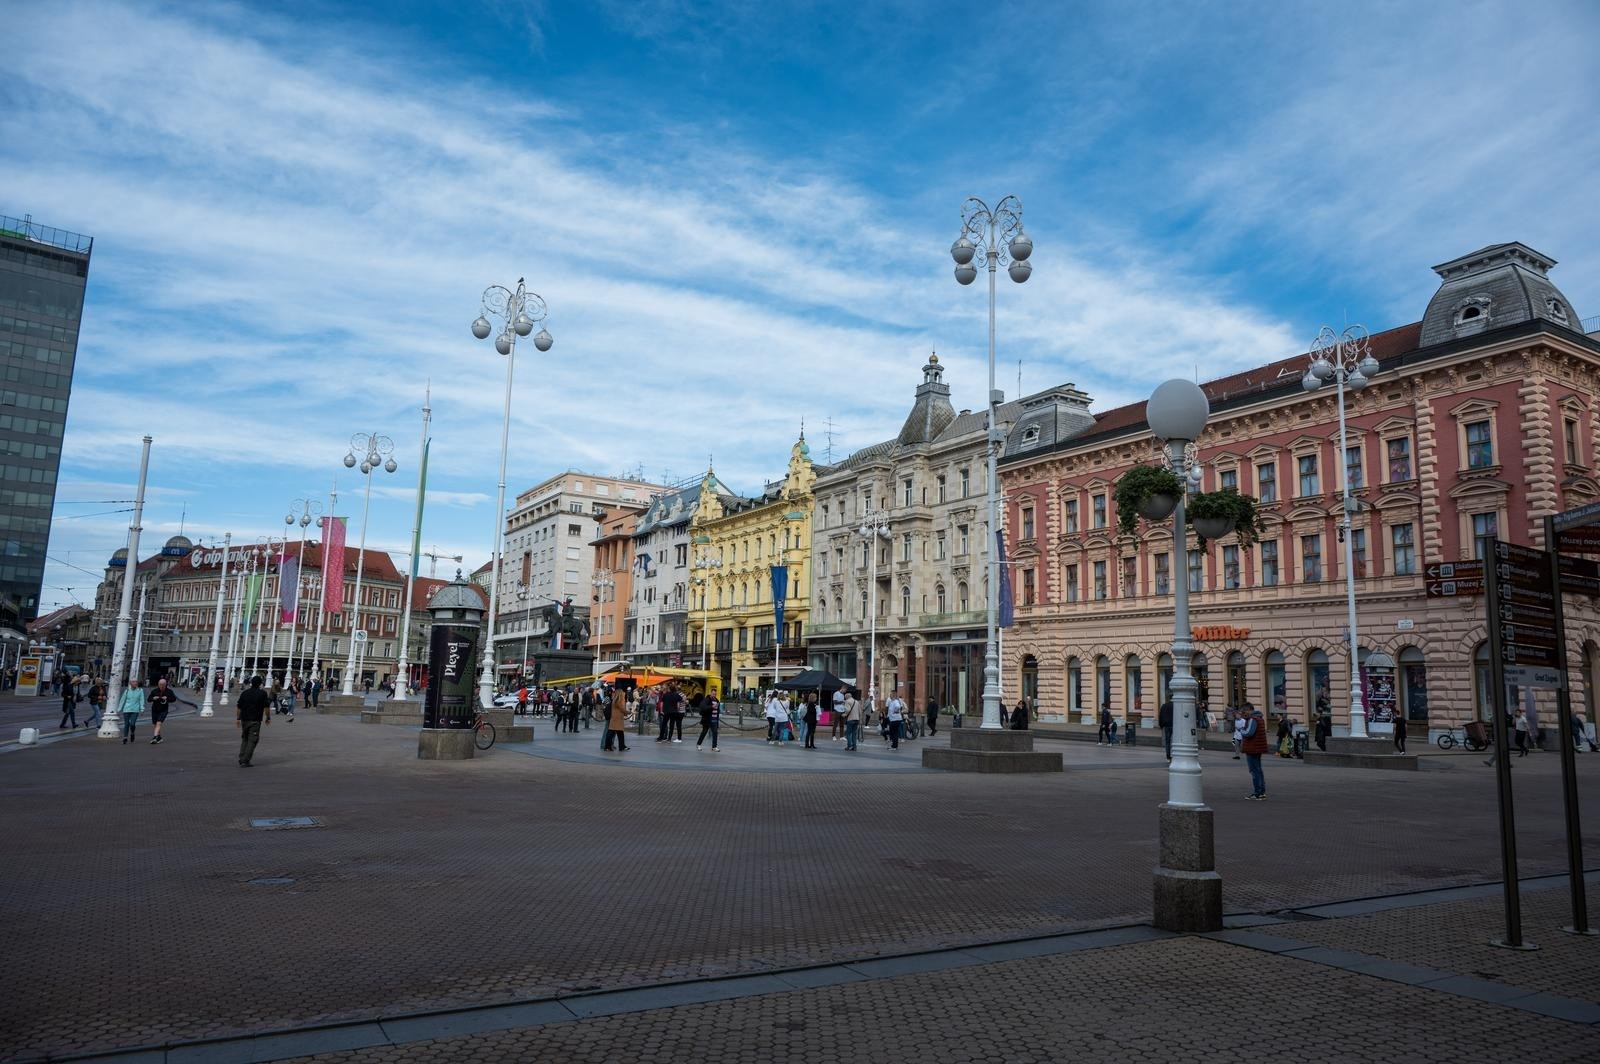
column 322, row 592
column 233, row 635
column 403, row 680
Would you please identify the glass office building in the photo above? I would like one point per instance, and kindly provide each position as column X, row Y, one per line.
column 43, row 272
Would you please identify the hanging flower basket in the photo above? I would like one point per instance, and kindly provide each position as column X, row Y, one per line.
column 1214, row 514
column 1145, row 491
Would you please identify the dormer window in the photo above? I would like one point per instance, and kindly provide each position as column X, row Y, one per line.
column 1556, row 311
column 1472, row 315
column 1030, row 435
column 1469, row 312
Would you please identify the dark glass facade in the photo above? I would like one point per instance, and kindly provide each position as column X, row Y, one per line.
column 43, row 272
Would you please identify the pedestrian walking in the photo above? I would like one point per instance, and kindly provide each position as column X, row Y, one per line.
column 97, row 703
column 852, row 719
column 1164, row 718
column 1253, row 743
column 836, row 717
column 69, row 706
column 1103, row 738
column 896, row 717
column 1285, row 737
column 1324, row 724
column 774, row 712
column 672, row 704
column 160, row 702
column 1520, row 725
column 291, row 691
column 617, row 722
column 808, row 717
column 933, row 715
column 1399, row 734
column 252, row 712
column 1019, row 716
column 132, row 705
column 710, row 718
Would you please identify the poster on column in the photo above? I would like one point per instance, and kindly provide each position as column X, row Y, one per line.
column 1380, row 697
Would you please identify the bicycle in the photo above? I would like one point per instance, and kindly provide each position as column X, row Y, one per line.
column 1448, row 739
column 483, row 732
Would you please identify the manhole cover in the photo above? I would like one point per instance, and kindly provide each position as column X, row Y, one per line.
column 276, row 823
column 274, row 881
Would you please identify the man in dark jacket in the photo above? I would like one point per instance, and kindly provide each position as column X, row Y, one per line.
column 933, row 716
column 250, row 716
column 1164, row 718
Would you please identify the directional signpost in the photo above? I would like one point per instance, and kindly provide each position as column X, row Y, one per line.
column 1450, row 579
column 1575, row 530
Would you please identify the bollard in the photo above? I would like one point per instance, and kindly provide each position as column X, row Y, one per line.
column 28, row 736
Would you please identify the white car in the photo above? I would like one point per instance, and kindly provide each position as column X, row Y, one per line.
column 507, row 700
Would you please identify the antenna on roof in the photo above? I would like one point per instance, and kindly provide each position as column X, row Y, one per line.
column 1019, row 378
column 183, row 518
column 827, row 436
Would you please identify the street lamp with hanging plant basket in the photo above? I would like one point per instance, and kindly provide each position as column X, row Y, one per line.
column 1146, row 491
column 1214, row 514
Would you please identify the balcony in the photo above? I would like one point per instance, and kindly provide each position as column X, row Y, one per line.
column 954, row 620
column 832, row 628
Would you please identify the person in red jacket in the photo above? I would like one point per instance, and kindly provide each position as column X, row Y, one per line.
column 1253, row 743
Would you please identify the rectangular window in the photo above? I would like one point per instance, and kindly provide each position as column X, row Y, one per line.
column 1098, row 503
column 941, row 488
column 905, row 547
column 1480, row 446
column 1309, row 481
column 1099, row 581
column 1353, row 474
column 1070, row 514
column 1269, row 563
column 1311, row 559
column 1484, row 528
column 962, row 540
column 1197, row 574
column 938, row 546
column 1399, row 450
column 1228, row 478
column 966, row 483
column 1027, row 587
column 1072, row 583
column 1569, row 434
column 1027, row 522
column 1130, row 577
column 1230, row 567
column 1403, row 550
column 905, row 491
column 744, row 639
column 1358, row 552
column 1267, row 482
column 1163, row 574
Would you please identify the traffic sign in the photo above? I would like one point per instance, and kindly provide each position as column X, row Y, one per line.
column 1571, row 566
column 360, row 635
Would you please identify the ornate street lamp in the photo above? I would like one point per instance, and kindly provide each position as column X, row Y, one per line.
column 874, row 526
column 370, row 453
column 307, row 511
column 519, row 312
column 705, row 563
column 991, row 238
column 1346, row 359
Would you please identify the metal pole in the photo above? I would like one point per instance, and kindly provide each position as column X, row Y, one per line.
column 1569, row 767
column 233, row 636
column 991, row 649
column 1502, row 762
column 1358, row 713
column 206, row 709
column 402, row 682
column 1183, row 774
column 872, row 612
column 490, row 663
column 322, row 593
column 110, row 727
column 137, row 667
column 255, row 611
column 348, row 686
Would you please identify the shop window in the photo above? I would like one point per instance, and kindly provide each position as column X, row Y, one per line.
column 1236, row 679
column 1132, row 684
column 1102, row 681
column 1414, row 684
column 1277, row 679
column 1318, row 691
column 1163, row 678
column 1482, row 683
column 1074, row 685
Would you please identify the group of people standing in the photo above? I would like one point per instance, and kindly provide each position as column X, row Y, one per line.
column 134, row 702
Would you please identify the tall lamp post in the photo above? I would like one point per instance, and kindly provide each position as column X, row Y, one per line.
column 206, row 707
column 402, row 687
column 518, row 312
column 875, row 526
column 1346, row 359
column 705, row 563
column 989, row 238
column 601, row 585
column 308, row 508
column 371, row 452
column 524, row 594
column 1188, row 891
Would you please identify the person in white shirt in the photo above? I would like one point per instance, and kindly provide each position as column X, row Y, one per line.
column 836, row 719
column 896, row 716
column 775, row 712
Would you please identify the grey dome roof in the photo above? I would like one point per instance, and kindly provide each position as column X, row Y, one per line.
column 120, row 557
column 1496, row 286
column 179, row 545
column 456, row 595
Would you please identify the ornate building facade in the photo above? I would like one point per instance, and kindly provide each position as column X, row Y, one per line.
column 1483, row 419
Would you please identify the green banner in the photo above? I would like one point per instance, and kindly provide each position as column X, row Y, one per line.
column 252, row 596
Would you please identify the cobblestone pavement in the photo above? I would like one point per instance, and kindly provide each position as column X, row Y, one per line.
column 140, row 907
column 1184, row 999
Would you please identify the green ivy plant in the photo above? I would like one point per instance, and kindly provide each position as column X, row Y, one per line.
column 1138, row 484
column 1238, row 510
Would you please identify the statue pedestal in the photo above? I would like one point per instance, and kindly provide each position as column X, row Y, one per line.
column 446, row 744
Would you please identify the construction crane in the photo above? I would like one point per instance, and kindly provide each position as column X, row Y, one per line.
column 433, row 563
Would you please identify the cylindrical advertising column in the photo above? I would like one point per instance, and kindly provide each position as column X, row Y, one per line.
column 452, row 681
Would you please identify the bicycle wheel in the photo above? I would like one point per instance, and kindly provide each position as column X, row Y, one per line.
column 1446, row 741
column 485, row 737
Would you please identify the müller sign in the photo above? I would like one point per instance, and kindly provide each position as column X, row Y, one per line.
column 1208, row 633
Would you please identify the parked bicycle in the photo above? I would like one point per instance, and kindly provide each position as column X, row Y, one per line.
column 1448, row 739
column 483, row 732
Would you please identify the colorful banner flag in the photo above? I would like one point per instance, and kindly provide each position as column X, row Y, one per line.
column 1007, row 603
column 333, row 563
column 252, row 597
column 780, row 591
column 422, row 494
column 288, row 587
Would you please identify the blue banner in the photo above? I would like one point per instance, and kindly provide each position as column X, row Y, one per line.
column 780, row 591
column 1007, row 603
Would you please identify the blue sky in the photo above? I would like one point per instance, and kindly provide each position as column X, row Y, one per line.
column 739, row 216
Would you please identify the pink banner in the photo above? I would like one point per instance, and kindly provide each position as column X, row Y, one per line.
column 333, row 564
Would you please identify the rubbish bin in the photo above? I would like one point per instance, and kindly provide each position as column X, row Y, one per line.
column 1302, row 739
column 1132, row 729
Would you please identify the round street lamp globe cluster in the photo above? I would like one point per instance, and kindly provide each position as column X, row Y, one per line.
column 1020, row 247
column 1177, row 410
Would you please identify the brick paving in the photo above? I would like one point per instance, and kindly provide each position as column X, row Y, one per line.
column 132, row 917
column 1178, row 1000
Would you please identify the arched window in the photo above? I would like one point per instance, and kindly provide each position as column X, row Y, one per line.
column 938, row 595
column 1030, row 680
column 744, row 594
column 905, row 600
column 863, row 605
column 1236, row 679
column 1074, row 685
column 1318, row 681
column 1102, row 681
column 1163, row 677
column 822, row 606
column 1482, row 683
column 1132, row 683
column 961, row 597
column 1277, row 678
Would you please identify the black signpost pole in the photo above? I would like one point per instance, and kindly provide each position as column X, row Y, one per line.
column 1569, row 767
column 1502, row 758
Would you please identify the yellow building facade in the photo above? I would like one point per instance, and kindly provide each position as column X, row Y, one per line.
column 735, row 545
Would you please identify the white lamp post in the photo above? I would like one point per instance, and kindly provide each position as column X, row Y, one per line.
column 875, row 526
column 374, row 452
column 110, row 720
column 322, row 584
column 233, row 634
column 705, row 563
column 524, row 594
column 989, row 238
column 206, row 705
column 308, row 509
column 601, row 585
column 1188, row 891
column 402, row 686
column 520, row 311
column 1346, row 359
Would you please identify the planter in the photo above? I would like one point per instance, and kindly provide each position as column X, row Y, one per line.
column 1158, row 507
column 1212, row 527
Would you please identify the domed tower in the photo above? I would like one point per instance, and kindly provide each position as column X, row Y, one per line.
column 177, row 547
column 1496, row 286
column 119, row 560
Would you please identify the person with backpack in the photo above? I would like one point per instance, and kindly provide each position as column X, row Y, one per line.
column 1104, row 736
column 1253, row 743
column 97, row 703
column 69, row 706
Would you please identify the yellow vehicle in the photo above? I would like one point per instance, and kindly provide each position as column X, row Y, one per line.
column 692, row 681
